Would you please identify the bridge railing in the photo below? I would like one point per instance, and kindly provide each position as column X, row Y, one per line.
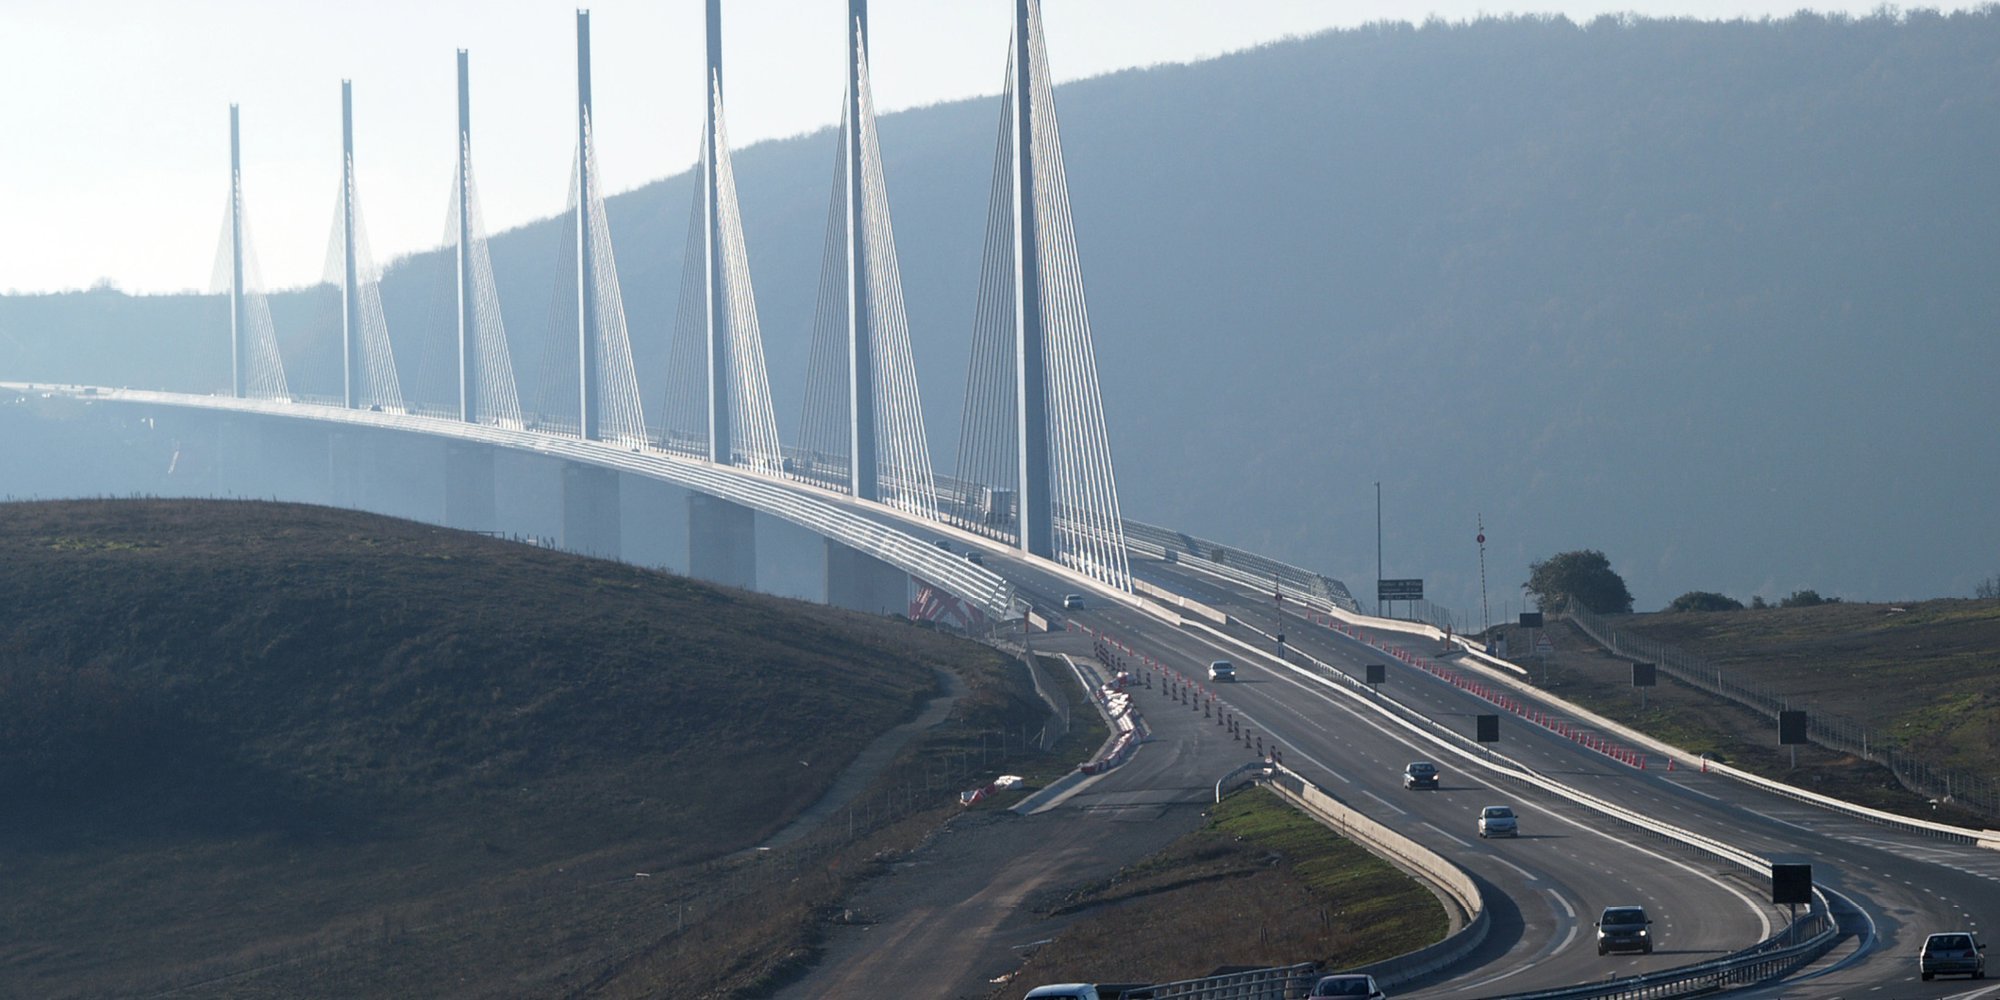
column 1789, row 949
column 967, row 581
column 1246, row 568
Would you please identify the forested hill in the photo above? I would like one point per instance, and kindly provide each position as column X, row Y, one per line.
column 1716, row 298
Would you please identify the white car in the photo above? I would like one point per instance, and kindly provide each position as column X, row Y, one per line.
column 1498, row 821
column 1065, row 991
column 1221, row 670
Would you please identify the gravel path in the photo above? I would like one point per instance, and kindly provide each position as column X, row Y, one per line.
column 962, row 910
column 872, row 761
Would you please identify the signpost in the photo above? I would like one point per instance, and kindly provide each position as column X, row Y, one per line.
column 1792, row 732
column 1643, row 677
column 1387, row 591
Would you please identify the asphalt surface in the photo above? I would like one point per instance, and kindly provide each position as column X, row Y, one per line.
column 961, row 912
column 1907, row 885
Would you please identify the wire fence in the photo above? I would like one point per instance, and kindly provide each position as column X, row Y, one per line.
column 1973, row 792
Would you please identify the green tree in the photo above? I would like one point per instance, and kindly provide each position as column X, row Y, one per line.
column 1584, row 576
column 1705, row 600
column 1806, row 599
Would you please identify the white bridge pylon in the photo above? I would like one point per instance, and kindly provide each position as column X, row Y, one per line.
column 1034, row 455
column 862, row 429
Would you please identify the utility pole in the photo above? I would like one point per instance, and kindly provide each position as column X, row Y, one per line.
column 1485, row 619
column 1278, row 607
column 1378, row 548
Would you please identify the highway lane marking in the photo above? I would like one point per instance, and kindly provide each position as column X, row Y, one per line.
column 1567, row 921
column 1526, row 874
column 1411, row 741
column 1447, row 835
column 1391, row 805
column 1763, row 918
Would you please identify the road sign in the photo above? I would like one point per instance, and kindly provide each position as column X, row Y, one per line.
column 1792, row 727
column 1543, row 646
column 1399, row 590
column 1791, row 883
column 1487, row 728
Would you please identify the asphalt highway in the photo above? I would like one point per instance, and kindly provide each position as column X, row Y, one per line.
column 1906, row 884
column 1549, row 883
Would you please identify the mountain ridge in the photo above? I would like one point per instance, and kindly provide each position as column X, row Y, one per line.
column 1708, row 296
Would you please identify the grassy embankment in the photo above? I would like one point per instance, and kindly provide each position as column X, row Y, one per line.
column 1260, row 884
column 1920, row 675
column 270, row 750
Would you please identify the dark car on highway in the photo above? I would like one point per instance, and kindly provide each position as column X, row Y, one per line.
column 1623, row 928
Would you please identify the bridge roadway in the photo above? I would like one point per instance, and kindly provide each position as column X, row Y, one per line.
column 1547, row 884
column 1908, row 884
column 1566, row 864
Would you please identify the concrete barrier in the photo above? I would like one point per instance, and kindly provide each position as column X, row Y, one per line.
column 1470, row 919
column 1185, row 604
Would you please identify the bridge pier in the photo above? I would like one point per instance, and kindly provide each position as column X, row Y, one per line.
column 344, row 454
column 239, row 451
column 590, row 510
column 469, row 493
column 858, row 581
column 722, row 542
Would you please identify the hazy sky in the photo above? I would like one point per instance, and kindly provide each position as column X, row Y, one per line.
column 114, row 124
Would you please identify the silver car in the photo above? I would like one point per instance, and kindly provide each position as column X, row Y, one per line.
column 1498, row 821
column 1951, row 954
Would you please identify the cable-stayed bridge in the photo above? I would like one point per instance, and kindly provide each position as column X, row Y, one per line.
column 1035, row 469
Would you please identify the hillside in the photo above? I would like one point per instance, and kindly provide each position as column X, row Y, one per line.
column 1920, row 678
column 258, row 746
column 1710, row 297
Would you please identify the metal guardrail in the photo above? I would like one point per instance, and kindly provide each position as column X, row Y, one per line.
column 1287, row 982
column 975, row 584
column 1768, row 958
column 1247, row 568
column 1786, row 952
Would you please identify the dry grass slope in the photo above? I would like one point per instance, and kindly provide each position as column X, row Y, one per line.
column 273, row 750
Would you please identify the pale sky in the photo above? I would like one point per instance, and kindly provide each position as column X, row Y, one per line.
column 114, row 113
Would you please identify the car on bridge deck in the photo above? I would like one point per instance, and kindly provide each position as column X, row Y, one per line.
column 1950, row 954
column 1071, row 602
column 1221, row 670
